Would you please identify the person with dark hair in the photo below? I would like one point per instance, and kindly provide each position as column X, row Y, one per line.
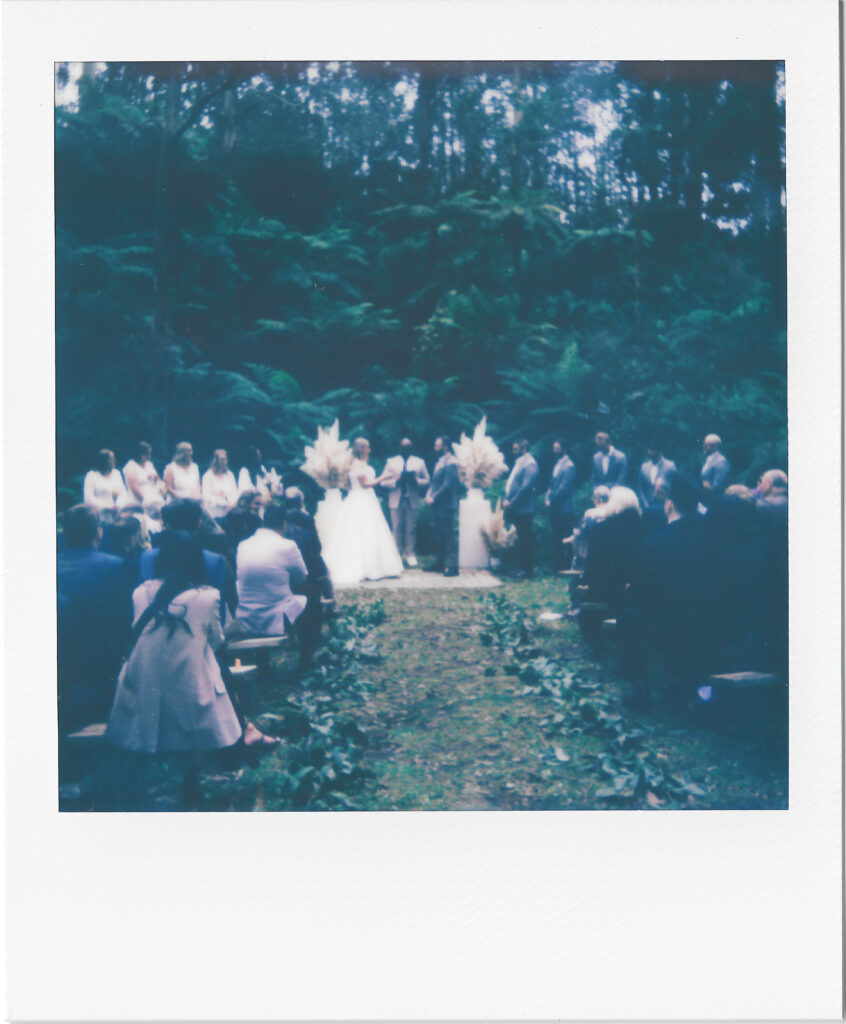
column 171, row 696
column 404, row 476
column 244, row 519
column 559, row 502
column 610, row 467
column 652, row 474
column 126, row 540
column 520, row 504
column 670, row 611
column 186, row 516
column 103, row 487
column 442, row 496
column 144, row 486
column 253, row 476
column 94, row 616
column 301, row 528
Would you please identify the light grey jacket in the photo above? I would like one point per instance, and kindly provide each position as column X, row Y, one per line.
column 393, row 469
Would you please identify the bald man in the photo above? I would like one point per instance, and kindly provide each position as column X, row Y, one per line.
column 716, row 468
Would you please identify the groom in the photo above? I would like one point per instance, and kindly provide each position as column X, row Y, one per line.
column 443, row 499
column 404, row 475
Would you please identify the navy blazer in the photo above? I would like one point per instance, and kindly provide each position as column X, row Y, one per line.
column 562, row 486
column 618, row 468
column 645, row 487
column 445, row 483
column 521, row 492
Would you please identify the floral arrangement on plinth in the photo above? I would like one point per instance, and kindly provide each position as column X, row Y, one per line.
column 497, row 536
column 329, row 459
column 480, row 462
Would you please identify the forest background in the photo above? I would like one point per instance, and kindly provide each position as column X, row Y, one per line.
column 245, row 251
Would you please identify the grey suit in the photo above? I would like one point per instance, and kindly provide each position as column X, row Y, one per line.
column 562, row 486
column 645, row 484
column 444, row 491
column 618, row 468
column 404, row 498
column 521, row 495
column 715, row 472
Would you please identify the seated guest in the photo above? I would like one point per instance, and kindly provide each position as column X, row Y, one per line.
column 667, row 625
column 741, row 582
column 244, row 519
column 220, row 491
column 272, row 576
column 171, row 695
column 740, row 491
column 126, row 539
column 300, row 528
column 580, row 536
column 186, row 516
column 652, row 473
column 143, row 484
column 772, row 509
column 103, row 488
column 94, row 620
column 771, row 493
column 182, row 476
column 254, row 476
column 612, row 547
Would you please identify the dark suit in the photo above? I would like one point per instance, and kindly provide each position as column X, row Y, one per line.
column 94, row 624
column 562, row 486
column 673, row 598
column 443, row 492
column 615, row 475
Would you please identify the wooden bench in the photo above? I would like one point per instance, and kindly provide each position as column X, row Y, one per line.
column 261, row 647
column 609, row 625
column 743, row 680
column 573, row 573
column 89, row 736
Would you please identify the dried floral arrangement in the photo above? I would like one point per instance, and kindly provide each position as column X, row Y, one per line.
column 480, row 462
column 329, row 459
column 497, row 536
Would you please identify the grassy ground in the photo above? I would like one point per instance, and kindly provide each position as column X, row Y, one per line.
column 449, row 726
column 442, row 700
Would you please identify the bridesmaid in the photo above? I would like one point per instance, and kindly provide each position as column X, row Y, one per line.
column 220, row 491
column 142, row 481
column 103, row 486
column 182, row 476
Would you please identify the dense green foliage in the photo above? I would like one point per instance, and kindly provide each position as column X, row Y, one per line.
column 244, row 251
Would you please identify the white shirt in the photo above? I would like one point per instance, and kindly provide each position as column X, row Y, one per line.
column 102, row 490
column 220, row 492
column 268, row 564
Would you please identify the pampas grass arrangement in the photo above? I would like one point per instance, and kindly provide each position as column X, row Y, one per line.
column 329, row 459
column 480, row 462
column 497, row 536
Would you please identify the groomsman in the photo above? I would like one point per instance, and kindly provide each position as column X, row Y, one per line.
column 559, row 501
column 655, row 469
column 520, row 502
column 443, row 498
column 610, row 467
column 716, row 469
column 404, row 475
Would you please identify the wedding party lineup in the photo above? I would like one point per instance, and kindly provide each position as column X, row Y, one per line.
column 421, row 435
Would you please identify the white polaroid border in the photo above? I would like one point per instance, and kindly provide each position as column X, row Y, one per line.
column 580, row 915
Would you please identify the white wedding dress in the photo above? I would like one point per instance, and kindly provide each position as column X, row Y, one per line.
column 361, row 546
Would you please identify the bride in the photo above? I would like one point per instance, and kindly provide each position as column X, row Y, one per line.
column 361, row 546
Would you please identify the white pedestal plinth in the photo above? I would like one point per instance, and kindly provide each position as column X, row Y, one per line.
column 472, row 512
column 326, row 515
